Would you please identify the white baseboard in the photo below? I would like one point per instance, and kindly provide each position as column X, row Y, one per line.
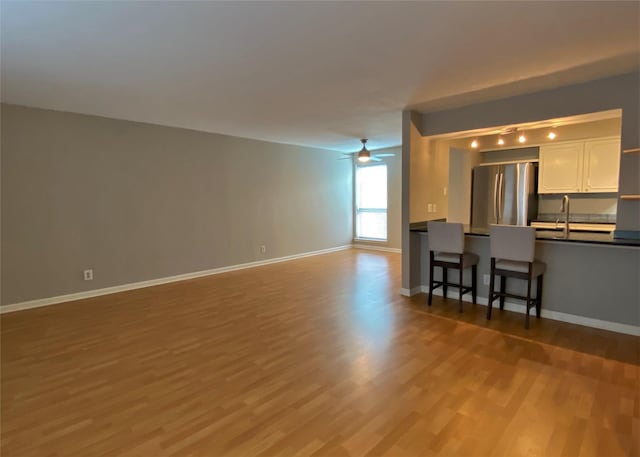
column 373, row 247
column 549, row 314
column 411, row 292
column 509, row 306
column 154, row 282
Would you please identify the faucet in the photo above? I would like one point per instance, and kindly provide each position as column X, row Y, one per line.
column 564, row 208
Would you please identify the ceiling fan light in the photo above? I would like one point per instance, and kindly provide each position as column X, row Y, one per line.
column 363, row 156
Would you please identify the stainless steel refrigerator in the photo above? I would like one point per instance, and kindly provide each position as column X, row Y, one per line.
column 504, row 194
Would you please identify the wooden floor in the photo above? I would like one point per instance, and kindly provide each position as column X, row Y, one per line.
column 318, row 356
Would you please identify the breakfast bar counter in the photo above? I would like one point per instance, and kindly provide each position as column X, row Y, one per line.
column 554, row 236
column 591, row 278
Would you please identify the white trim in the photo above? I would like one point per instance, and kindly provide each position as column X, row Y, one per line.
column 373, row 247
column 509, row 306
column 154, row 282
column 549, row 314
column 411, row 292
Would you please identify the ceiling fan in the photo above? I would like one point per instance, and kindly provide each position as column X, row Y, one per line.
column 364, row 155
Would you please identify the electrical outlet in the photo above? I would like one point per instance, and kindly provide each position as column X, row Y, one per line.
column 88, row 275
column 263, row 249
column 435, row 208
column 485, row 279
column 430, row 208
column 444, row 191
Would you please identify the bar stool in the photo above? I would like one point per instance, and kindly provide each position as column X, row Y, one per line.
column 446, row 250
column 512, row 256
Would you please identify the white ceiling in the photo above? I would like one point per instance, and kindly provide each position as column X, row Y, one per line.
column 312, row 73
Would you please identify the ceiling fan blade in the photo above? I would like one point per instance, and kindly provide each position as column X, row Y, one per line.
column 345, row 158
column 375, row 159
column 386, row 154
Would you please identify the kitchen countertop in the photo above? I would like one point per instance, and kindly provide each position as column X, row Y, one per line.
column 554, row 236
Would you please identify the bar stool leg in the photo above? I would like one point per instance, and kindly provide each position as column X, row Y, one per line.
column 491, row 281
column 528, row 302
column 539, row 296
column 444, row 281
column 503, row 289
column 461, row 270
column 431, row 270
column 474, row 283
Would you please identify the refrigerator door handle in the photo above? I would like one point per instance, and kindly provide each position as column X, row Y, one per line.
column 496, row 185
column 501, row 198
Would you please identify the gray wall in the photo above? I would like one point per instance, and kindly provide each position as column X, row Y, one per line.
column 618, row 92
column 411, row 141
column 136, row 201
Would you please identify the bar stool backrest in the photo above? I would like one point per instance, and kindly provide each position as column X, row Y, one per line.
column 446, row 237
column 512, row 242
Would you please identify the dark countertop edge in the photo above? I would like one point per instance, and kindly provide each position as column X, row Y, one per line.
column 422, row 227
column 614, row 242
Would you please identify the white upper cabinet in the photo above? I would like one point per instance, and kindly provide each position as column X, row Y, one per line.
column 579, row 166
column 561, row 168
column 601, row 165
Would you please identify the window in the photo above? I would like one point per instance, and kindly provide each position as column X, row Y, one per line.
column 371, row 202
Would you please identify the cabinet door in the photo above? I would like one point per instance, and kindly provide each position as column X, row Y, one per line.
column 601, row 165
column 561, row 168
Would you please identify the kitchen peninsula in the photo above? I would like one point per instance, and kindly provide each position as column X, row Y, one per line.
column 592, row 278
